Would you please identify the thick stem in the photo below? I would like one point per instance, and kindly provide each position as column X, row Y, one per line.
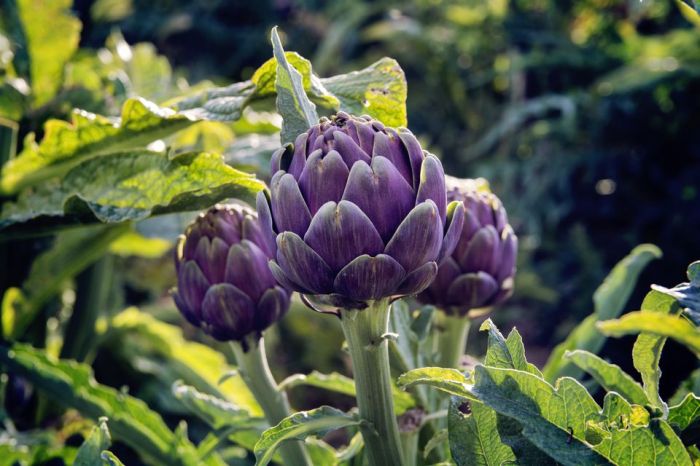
column 252, row 365
column 366, row 335
column 452, row 340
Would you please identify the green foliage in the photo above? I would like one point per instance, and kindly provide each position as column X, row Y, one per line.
column 299, row 426
column 610, row 376
column 73, row 385
column 216, row 412
column 297, row 111
column 609, row 301
column 449, row 381
column 659, row 325
column 90, row 453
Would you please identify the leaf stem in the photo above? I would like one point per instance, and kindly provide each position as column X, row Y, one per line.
column 253, row 367
column 366, row 331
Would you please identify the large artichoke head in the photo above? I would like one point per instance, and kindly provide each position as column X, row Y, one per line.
column 479, row 273
column 358, row 212
column 224, row 283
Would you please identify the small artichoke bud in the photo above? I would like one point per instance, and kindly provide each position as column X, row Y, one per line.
column 224, row 283
column 359, row 213
column 479, row 273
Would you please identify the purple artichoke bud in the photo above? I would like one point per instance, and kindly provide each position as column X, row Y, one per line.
column 480, row 272
column 358, row 212
column 224, row 283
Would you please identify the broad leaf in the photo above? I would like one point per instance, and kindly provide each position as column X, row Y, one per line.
column 557, row 419
column 449, row 381
column 660, row 325
column 138, row 335
column 339, row 383
column 299, row 426
column 65, row 144
column 49, row 37
column 131, row 186
column 216, row 412
column 474, row 436
column 379, row 90
column 609, row 301
column 90, row 453
column 610, row 376
column 686, row 413
column 298, row 112
column 506, row 353
column 131, row 421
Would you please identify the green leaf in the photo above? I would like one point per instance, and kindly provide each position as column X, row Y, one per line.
column 449, row 381
column 50, row 35
column 132, row 243
column 216, row 412
column 474, row 437
column 299, row 426
column 380, row 90
column 138, row 335
column 110, row 459
column 660, row 325
column 687, row 294
column 66, row 144
column 131, row 421
column 90, row 452
column 558, row 419
column 339, row 383
column 438, row 438
column 609, row 301
column 298, row 112
column 71, row 253
column 506, row 353
column 686, row 413
column 131, row 186
column 610, row 376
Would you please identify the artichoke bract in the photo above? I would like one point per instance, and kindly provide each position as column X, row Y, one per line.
column 359, row 213
column 479, row 273
column 224, row 283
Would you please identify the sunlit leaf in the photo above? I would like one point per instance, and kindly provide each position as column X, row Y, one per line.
column 299, row 426
column 90, row 453
column 609, row 300
column 610, row 376
column 449, row 381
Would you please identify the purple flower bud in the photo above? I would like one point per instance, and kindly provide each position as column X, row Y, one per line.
column 224, row 283
column 358, row 212
column 480, row 271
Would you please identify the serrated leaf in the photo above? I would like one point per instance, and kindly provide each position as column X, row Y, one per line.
column 131, row 421
column 140, row 335
column 609, row 301
column 131, row 186
column 339, row 383
column 90, row 452
column 556, row 420
column 88, row 135
column 50, row 35
column 299, row 426
column 216, row 412
column 610, row 376
column 380, row 90
column 506, row 353
column 449, row 381
column 298, row 112
column 474, row 437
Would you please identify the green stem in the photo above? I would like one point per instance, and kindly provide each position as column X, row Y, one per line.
column 252, row 365
column 365, row 332
column 452, row 340
column 94, row 285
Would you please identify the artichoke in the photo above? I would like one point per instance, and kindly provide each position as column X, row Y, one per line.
column 359, row 213
column 224, row 283
column 480, row 272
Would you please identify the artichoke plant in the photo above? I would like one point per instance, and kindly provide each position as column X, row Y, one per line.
column 359, row 213
column 224, row 283
column 479, row 273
